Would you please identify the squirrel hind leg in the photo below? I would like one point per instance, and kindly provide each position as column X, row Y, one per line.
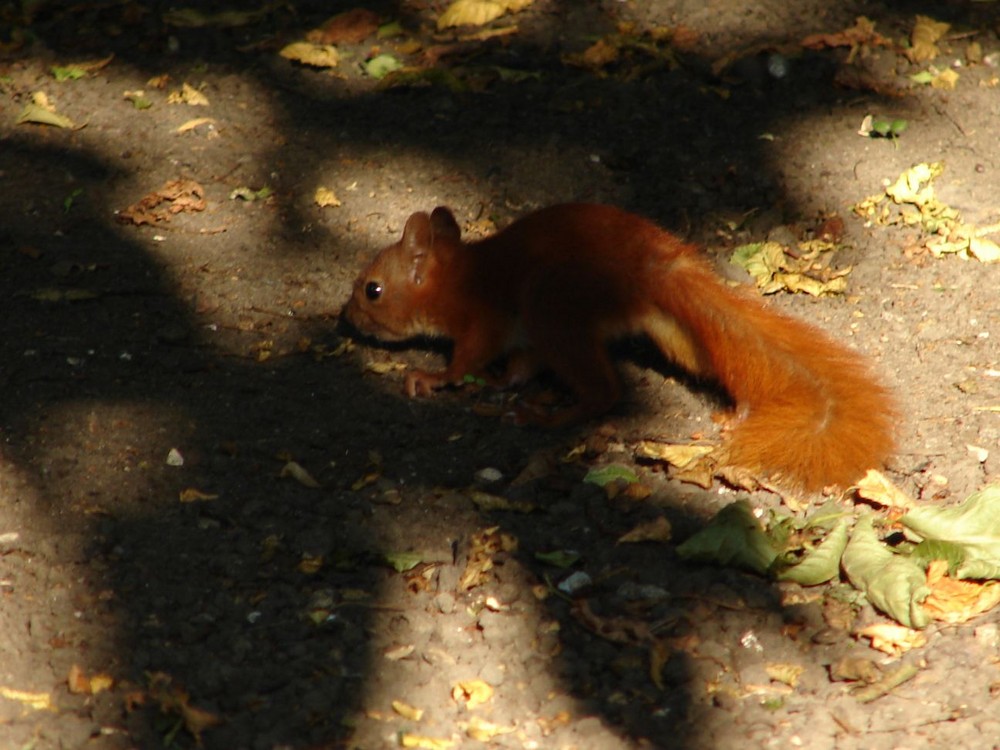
column 587, row 370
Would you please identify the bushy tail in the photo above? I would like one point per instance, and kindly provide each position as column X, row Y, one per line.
column 809, row 413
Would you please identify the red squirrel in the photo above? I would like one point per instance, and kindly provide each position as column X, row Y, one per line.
column 556, row 286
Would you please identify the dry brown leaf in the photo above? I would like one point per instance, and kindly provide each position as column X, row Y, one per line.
column 657, row 530
column 861, row 34
column 174, row 197
column 350, row 27
column 953, row 600
column 192, row 495
column 614, row 629
column 659, row 656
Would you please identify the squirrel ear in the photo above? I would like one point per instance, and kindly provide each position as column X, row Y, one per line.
column 417, row 234
column 444, row 225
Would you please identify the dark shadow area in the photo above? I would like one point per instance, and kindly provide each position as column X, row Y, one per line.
column 153, row 398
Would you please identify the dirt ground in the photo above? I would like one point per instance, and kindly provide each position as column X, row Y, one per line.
column 168, row 577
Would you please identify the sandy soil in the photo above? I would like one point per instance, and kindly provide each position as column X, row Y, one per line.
column 168, row 580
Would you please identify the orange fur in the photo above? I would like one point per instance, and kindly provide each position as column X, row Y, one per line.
column 555, row 286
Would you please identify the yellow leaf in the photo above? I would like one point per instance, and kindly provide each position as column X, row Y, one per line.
column 472, row 693
column 325, row 197
column 681, row 456
column 188, row 95
column 923, row 38
column 407, row 711
column 307, row 53
column 37, row 701
column 478, row 12
column 893, row 639
column 945, row 80
column 484, row 731
column 789, row 674
column 876, row 487
column 425, row 743
column 192, row 124
column 310, row 564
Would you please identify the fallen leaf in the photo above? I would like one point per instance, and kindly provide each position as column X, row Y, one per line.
column 973, row 526
column 325, row 198
column 189, row 95
column 657, row 530
column 892, row 639
column 895, row 584
column 471, row 693
column 197, row 122
column 174, row 197
column 350, row 27
column 680, row 455
column 732, row 537
column 956, row 601
column 822, row 564
column 316, row 55
column 407, row 711
column 485, row 731
column 41, row 115
column 877, row 488
column 191, row 495
column 37, row 701
column 862, row 34
column 299, row 474
column 923, row 39
column 382, row 65
column 478, row 12
column 789, row 674
column 425, row 743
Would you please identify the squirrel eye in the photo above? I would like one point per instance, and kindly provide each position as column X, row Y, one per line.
column 373, row 290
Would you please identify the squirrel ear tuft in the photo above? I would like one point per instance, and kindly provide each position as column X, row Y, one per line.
column 444, row 225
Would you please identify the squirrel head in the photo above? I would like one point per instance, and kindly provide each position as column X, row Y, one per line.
column 392, row 297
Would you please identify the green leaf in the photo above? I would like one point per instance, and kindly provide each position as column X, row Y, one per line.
column 733, row 537
column 934, row 549
column 604, row 475
column 973, row 525
column 823, row 563
column 381, row 65
column 390, row 30
column 403, row 561
column 69, row 73
column 560, row 558
column 895, row 584
column 35, row 113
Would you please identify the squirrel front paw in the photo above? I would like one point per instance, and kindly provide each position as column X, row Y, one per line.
column 421, row 384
